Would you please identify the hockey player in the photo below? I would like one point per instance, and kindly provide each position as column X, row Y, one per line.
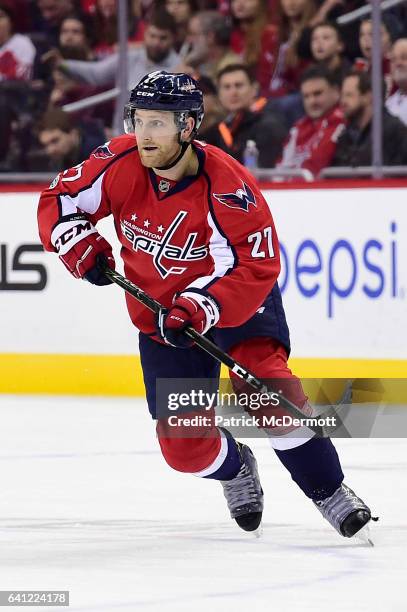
column 198, row 236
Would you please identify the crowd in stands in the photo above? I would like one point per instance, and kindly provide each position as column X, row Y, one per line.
column 281, row 73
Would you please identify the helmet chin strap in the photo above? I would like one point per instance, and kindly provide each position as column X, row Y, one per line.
column 184, row 147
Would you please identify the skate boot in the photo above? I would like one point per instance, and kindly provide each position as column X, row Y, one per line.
column 346, row 512
column 244, row 494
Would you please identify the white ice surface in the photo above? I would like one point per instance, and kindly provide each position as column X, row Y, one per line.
column 87, row 504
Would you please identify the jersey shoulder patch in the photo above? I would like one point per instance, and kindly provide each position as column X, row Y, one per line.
column 241, row 199
column 231, row 183
column 103, row 151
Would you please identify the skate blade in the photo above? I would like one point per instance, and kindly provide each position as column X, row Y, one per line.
column 363, row 535
column 257, row 533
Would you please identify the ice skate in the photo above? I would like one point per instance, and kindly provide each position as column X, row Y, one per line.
column 244, row 494
column 347, row 513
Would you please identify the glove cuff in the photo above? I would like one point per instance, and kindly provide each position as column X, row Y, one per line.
column 70, row 230
column 208, row 305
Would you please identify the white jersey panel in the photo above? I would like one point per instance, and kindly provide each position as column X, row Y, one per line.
column 221, row 253
column 87, row 200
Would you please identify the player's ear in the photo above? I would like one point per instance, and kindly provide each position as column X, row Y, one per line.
column 187, row 131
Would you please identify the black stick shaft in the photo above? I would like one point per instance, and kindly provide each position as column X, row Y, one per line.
column 207, row 345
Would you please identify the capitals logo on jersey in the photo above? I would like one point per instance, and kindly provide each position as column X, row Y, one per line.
column 103, row 152
column 240, row 199
column 160, row 247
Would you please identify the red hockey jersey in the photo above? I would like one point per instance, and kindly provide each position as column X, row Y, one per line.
column 212, row 232
column 311, row 143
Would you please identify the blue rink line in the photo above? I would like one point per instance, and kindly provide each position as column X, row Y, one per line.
column 77, row 455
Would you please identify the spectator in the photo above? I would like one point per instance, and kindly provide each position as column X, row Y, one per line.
column 349, row 31
column 74, row 38
column 280, row 66
column 366, row 41
column 52, row 13
column 67, row 90
column 327, row 47
column 66, row 142
column 16, row 60
column 246, row 119
column 157, row 53
column 213, row 110
column 209, row 38
column 312, row 140
column 250, row 17
column 73, row 42
column 105, row 27
column 355, row 143
column 328, row 11
column 256, row 40
column 182, row 11
column 17, row 52
column 388, row 30
column 396, row 104
column 285, row 65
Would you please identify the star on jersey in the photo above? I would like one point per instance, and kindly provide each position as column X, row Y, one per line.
column 147, row 223
column 240, row 199
column 133, row 217
column 160, row 229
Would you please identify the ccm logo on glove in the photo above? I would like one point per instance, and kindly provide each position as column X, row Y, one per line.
column 79, row 246
column 190, row 309
column 75, row 229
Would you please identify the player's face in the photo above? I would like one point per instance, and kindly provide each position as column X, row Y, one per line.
column 352, row 101
column 318, row 97
column 325, row 43
column 235, row 91
column 157, row 137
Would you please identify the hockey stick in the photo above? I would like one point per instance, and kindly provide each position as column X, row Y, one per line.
column 208, row 346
